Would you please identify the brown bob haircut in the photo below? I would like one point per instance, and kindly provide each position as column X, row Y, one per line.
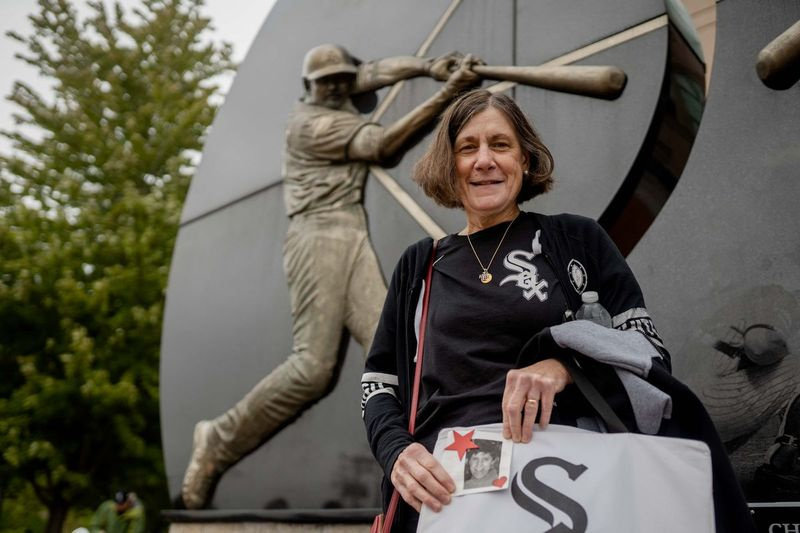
column 435, row 172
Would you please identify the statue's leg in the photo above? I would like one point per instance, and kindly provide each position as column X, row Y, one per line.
column 317, row 259
column 366, row 292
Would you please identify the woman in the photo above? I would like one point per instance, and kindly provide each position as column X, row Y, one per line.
column 502, row 279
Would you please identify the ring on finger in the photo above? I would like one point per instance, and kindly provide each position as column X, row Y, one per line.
column 531, row 401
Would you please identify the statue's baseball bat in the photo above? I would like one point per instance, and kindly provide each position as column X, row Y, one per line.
column 597, row 82
column 778, row 64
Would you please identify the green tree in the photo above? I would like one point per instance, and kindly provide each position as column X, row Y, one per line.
column 89, row 207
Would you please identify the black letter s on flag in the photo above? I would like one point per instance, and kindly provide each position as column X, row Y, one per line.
column 569, row 506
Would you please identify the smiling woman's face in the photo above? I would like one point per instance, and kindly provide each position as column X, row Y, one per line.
column 489, row 167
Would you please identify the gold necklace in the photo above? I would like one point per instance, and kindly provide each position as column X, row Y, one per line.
column 485, row 276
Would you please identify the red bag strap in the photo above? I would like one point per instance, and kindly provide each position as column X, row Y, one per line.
column 412, row 417
column 423, row 323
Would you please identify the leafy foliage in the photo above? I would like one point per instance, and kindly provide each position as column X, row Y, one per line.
column 89, row 207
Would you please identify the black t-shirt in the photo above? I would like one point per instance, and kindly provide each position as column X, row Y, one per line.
column 476, row 330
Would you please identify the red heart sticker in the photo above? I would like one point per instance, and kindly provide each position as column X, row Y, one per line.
column 500, row 482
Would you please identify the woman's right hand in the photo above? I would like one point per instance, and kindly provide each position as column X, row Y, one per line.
column 421, row 479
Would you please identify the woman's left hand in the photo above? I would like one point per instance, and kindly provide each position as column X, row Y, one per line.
column 529, row 390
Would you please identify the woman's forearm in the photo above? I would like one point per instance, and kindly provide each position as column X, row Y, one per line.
column 387, row 429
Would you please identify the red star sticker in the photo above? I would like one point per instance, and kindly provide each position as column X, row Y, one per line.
column 462, row 443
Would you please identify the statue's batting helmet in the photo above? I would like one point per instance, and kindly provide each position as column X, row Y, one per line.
column 326, row 60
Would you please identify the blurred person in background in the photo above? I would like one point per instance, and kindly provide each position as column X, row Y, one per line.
column 122, row 514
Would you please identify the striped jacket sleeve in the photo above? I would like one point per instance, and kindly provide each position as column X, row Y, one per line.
column 382, row 399
column 374, row 383
column 637, row 319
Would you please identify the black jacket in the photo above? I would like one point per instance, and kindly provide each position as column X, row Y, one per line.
column 582, row 256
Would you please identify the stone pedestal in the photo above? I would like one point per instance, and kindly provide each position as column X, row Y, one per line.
column 271, row 521
column 266, row 527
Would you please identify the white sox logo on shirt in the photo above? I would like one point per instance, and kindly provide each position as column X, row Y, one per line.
column 528, row 275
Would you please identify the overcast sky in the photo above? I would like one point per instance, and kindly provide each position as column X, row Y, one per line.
column 235, row 21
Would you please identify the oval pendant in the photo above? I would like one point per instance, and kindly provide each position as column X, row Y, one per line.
column 485, row 277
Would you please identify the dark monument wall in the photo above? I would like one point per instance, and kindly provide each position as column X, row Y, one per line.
column 723, row 251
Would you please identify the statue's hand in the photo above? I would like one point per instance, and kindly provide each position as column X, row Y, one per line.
column 464, row 77
column 440, row 68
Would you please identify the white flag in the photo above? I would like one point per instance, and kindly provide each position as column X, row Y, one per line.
column 571, row 480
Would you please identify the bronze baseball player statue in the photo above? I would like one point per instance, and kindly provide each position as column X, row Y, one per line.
column 334, row 278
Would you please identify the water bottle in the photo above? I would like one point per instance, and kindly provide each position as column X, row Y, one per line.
column 592, row 310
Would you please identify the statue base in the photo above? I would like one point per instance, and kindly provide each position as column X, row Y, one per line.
column 266, row 527
column 271, row 521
